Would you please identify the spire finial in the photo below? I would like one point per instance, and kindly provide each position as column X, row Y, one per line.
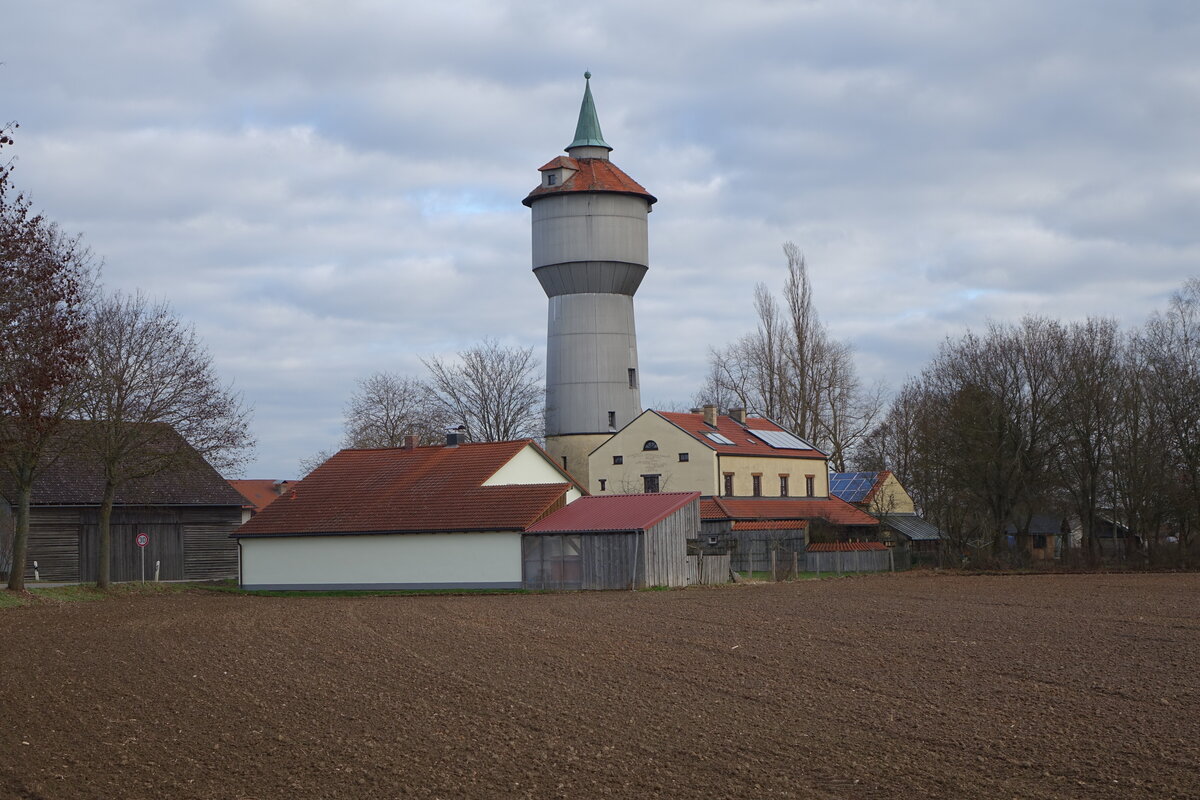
column 587, row 130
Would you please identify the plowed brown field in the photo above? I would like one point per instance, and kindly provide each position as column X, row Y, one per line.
column 885, row 686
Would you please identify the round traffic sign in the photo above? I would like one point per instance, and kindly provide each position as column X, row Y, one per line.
column 142, row 540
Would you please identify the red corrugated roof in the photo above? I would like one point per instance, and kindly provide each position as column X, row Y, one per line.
column 593, row 175
column 261, row 492
column 744, row 443
column 614, row 512
column 770, row 524
column 418, row 489
column 843, row 547
column 832, row 509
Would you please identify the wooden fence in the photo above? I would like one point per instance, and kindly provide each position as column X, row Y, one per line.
column 853, row 561
column 707, row 569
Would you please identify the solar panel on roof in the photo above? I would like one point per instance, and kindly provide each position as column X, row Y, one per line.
column 719, row 438
column 851, row 486
column 783, row 440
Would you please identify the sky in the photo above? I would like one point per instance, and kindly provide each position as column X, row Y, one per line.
column 331, row 189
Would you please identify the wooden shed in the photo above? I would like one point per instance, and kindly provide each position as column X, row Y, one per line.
column 188, row 512
column 628, row 541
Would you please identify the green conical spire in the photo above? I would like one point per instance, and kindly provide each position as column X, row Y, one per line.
column 587, row 131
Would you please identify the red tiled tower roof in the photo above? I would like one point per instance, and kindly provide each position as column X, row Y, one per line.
column 591, row 175
column 410, row 490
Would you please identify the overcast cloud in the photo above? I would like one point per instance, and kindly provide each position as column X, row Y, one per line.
column 327, row 189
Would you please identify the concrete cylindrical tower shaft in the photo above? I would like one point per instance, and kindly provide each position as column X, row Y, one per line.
column 590, row 252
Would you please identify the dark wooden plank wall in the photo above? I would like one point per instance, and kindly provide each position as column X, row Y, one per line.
column 54, row 544
column 207, row 552
column 190, row 543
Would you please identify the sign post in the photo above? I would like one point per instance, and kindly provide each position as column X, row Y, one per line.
column 143, row 540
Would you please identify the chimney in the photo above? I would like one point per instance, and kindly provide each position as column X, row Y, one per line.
column 456, row 436
column 710, row 415
column 739, row 415
column 410, row 442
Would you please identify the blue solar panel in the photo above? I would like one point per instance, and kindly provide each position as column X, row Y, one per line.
column 851, row 486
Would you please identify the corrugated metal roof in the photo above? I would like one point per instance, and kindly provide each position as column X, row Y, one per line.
column 913, row 527
column 844, row 547
column 614, row 512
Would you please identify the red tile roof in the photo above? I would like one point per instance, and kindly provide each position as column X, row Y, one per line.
column 744, row 443
column 261, row 492
column 409, row 490
column 592, row 175
column 879, row 481
column 832, row 509
column 615, row 512
column 843, row 547
column 770, row 524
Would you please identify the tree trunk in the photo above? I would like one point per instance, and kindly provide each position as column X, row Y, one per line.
column 103, row 568
column 16, row 574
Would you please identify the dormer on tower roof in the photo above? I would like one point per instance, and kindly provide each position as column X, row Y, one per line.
column 587, row 130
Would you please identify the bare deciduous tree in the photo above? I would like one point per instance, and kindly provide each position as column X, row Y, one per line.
column 790, row 370
column 148, row 395
column 386, row 407
column 43, row 277
column 494, row 391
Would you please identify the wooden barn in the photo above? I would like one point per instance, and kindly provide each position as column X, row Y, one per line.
column 629, row 541
column 187, row 511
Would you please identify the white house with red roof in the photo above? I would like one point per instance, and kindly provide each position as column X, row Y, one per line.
column 406, row 518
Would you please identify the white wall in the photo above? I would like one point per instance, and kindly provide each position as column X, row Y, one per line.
column 530, row 466
column 388, row 561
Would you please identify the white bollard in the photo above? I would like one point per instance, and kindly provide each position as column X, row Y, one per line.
column 36, row 575
column 157, row 564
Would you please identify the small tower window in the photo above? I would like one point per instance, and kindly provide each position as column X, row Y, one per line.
column 650, row 445
column 551, row 179
column 612, row 420
column 632, row 378
column 602, row 482
column 684, row 456
column 618, row 459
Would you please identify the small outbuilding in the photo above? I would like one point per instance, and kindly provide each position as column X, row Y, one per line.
column 627, row 541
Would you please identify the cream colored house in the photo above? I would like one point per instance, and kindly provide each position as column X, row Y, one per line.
column 731, row 455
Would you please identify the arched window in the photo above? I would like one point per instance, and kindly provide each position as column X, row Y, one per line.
column 650, row 445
